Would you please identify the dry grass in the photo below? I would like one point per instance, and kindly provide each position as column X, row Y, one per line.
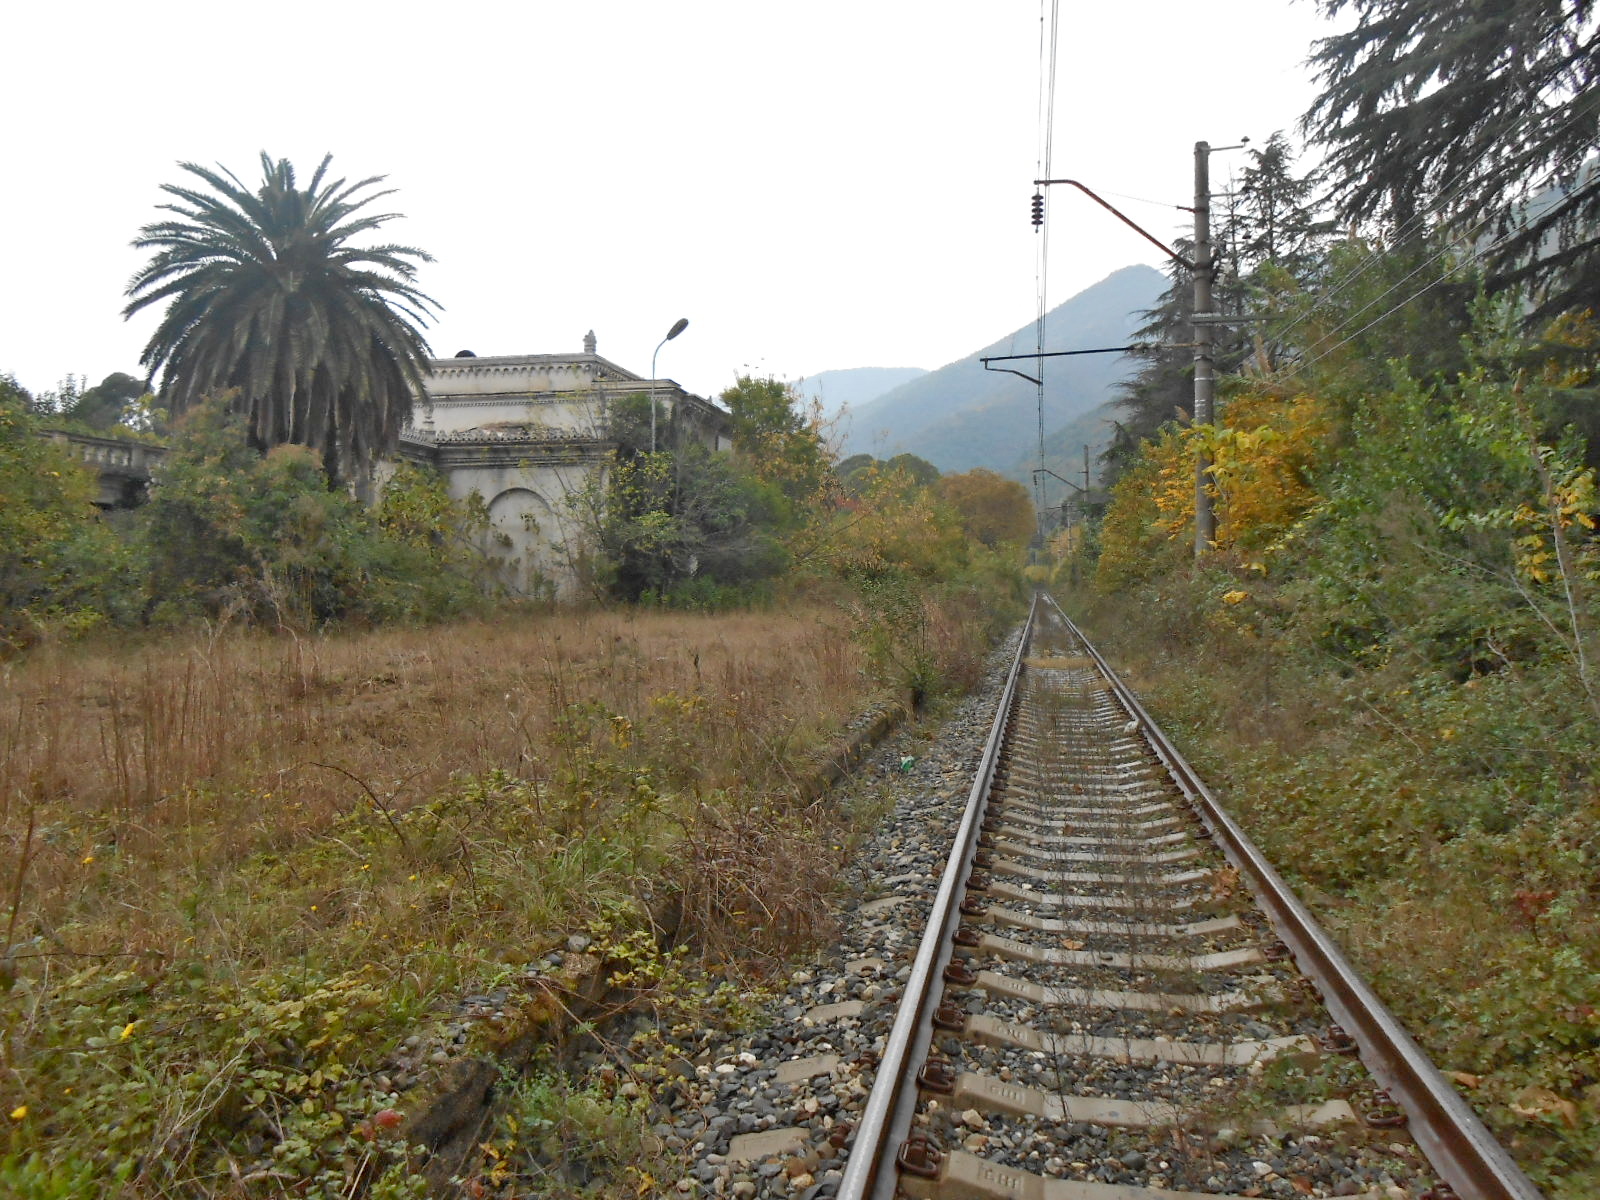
column 140, row 769
column 192, row 830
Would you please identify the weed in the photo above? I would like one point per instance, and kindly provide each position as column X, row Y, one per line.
column 242, row 871
column 1439, row 818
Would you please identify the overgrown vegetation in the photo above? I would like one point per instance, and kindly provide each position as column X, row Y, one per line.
column 253, row 881
column 904, row 550
column 270, row 880
column 278, row 887
column 228, row 535
column 1387, row 661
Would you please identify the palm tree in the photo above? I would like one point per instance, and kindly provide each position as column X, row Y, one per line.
column 318, row 340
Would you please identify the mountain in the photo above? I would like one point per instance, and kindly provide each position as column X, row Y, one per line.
column 962, row 416
column 853, row 387
column 1063, row 449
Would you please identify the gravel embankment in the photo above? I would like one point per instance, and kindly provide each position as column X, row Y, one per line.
column 766, row 1112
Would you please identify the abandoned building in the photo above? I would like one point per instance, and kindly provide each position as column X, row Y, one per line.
column 527, row 433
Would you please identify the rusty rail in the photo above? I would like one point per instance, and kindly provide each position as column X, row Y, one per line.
column 886, row 1117
column 1463, row 1152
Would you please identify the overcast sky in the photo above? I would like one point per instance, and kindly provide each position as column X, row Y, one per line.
column 815, row 185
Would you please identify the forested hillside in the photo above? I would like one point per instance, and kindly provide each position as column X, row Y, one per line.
column 962, row 416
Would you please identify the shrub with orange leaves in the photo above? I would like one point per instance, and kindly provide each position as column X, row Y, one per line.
column 1264, row 458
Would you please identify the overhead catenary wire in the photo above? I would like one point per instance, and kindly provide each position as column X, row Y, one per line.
column 1146, row 200
column 1353, row 317
column 1049, row 15
column 1458, row 242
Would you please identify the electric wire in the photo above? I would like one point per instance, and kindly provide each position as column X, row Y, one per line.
column 1040, row 140
column 1351, row 318
column 1456, row 244
column 1146, row 200
column 1047, row 84
column 1437, row 209
column 1476, row 256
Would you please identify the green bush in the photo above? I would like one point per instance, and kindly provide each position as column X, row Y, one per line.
column 61, row 567
column 233, row 533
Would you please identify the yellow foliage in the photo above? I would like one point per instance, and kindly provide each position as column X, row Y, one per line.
column 994, row 510
column 1571, row 507
column 1263, row 457
column 1263, row 461
column 892, row 523
column 1579, row 332
column 1132, row 534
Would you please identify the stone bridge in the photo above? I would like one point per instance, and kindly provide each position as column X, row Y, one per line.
column 122, row 465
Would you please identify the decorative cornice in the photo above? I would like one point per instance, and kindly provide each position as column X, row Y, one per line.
column 454, row 456
column 493, row 436
column 502, row 364
column 514, row 399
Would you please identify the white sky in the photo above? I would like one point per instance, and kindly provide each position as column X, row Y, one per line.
column 815, row 185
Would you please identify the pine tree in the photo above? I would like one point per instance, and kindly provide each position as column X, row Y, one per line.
column 1270, row 236
column 1278, row 223
column 1162, row 390
column 1482, row 118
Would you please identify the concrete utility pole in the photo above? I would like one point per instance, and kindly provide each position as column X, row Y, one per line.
column 1205, row 382
column 1204, row 320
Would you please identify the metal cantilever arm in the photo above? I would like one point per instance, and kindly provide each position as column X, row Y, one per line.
column 1121, row 216
column 1045, row 354
column 1009, row 371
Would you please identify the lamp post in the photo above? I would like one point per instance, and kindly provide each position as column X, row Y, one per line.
column 681, row 324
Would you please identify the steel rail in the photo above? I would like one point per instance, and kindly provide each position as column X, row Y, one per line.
column 870, row 1173
column 1457, row 1144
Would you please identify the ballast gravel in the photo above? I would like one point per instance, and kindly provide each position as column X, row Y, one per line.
column 810, row 1070
column 769, row 1113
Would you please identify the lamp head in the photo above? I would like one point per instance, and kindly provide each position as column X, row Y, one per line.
column 682, row 324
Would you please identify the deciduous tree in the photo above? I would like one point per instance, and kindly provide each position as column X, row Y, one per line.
column 109, row 401
column 994, row 510
column 52, row 547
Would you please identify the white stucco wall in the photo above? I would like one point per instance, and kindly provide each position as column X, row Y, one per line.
column 537, row 533
column 527, row 434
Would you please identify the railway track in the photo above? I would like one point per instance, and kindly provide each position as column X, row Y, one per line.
column 1116, row 998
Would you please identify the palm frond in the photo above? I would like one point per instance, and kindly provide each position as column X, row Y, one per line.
column 268, row 297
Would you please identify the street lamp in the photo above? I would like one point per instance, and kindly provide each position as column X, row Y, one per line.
column 679, row 327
